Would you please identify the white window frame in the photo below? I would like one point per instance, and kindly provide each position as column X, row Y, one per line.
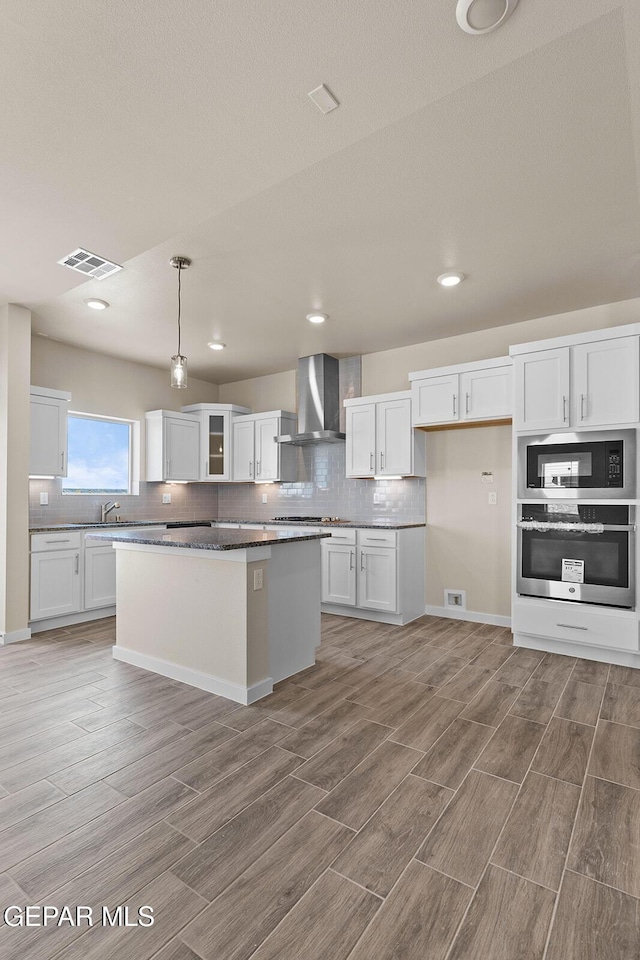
column 134, row 454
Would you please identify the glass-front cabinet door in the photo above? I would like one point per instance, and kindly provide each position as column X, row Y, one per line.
column 215, row 434
column 216, row 438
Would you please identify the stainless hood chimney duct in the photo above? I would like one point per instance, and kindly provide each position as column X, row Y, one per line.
column 318, row 392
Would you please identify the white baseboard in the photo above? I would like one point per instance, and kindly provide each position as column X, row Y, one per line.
column 15, row 636
column 203, row 681
column 454, row 614
column 84, row 616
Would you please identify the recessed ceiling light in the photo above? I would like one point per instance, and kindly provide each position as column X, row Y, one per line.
column 96, row 304
column 317, row 317
column 483, row 16
column 450, row 279
column 216, row 345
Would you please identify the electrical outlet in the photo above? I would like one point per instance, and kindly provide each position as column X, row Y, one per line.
column 257, row 579
column 493, row 499
column 44, row 499
column 264, row 498
column 166, row 498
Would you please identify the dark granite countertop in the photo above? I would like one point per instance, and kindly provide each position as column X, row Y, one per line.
column 116, row 523
column 377, row 524
column 208, row 538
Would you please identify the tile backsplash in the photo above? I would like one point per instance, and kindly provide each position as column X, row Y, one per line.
column 323, row 490
column 189, row 501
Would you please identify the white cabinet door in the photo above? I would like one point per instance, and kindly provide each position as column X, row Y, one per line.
column 181, row 449
column 243, row 448
column 377, row 586
column 394, row 437
column 486, row 394
column 605, row 382
column 435, row 400
column 361, row 440
column 55, row 583
column 267, row 449
column 542, row 390
column 48, row 438
column 99, row 577
column 338, row 574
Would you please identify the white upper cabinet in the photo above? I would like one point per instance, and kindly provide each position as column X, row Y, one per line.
column 257, row 456
column 360, row 449
column 435, row 399
column 267, row 448
column 589, row 384
column 542, row 390
column 468, row 392
column 216, row 438
column 394, row 437
column 380, row 438
column 173, row 446
column 48, row 432
column 243, row 448
column 605, row 382
column 486, row 394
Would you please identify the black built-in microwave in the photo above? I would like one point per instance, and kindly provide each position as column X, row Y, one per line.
column 578, row 466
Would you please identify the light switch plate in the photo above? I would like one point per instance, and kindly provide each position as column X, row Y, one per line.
column 257, row 579
column 493, row 499
column 264, row 498
column 166, row 498
column 44, row 499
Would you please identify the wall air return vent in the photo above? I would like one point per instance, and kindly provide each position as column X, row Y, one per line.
column 82, row 261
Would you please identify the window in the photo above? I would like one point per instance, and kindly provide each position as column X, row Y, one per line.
column 99, row 458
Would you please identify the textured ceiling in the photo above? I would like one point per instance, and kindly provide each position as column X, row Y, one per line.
column 140, row 133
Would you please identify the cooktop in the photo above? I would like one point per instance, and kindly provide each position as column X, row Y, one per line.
column 311, row 519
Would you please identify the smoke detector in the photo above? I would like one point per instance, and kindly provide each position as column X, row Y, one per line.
column 89, row 264
column 483, row 16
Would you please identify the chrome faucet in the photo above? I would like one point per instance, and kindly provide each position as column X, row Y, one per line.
column 106, row 509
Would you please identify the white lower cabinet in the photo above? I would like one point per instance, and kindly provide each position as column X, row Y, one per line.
column 575, row 623
column 70, row 574
column 55, row 583
column 374, row 575
column 338, row 573
column 99, row 575
column 377, row 575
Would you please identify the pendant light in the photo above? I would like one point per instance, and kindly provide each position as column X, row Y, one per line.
column 178, row 362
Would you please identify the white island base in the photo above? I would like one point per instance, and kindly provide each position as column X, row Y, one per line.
column 196, row 616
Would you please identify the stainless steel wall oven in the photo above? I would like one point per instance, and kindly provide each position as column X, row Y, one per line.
column 577, row 551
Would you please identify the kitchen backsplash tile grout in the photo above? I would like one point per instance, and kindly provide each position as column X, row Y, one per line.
column 322, row 490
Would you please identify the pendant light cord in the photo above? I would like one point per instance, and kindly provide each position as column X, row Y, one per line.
column 179, row 304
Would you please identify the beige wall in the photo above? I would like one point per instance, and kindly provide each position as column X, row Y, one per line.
column 15, row 345
column 469, row 542
column 274, row 392
column 387, row 371
column 109, row 386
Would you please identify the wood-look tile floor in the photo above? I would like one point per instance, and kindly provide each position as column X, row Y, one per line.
column 426, row 791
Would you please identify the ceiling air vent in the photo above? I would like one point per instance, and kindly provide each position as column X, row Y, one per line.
column 89, row 264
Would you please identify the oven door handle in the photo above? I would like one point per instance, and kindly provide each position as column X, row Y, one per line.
column 542, row 526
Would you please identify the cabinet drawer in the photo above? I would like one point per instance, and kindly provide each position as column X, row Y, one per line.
column 576, row 624
column 377, row 538
column 341, row 536
column 65, row 540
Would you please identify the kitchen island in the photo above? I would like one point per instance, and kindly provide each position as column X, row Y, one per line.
column 229, row 611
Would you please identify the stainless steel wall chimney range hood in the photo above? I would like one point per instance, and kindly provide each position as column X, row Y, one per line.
column 318, row 392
